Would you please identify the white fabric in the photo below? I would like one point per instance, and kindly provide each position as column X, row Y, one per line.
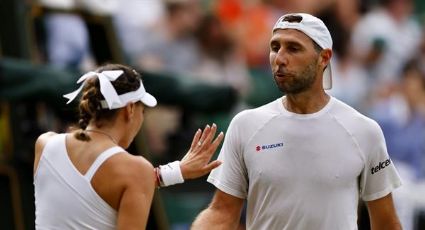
column 106, row 87
column 316, row 30
column 100, row 159
column 112, row 99
column 64, row 198
column 171, row 173
column 309, row 25
column 304, row 171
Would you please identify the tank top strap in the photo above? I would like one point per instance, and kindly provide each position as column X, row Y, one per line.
column 100, row 159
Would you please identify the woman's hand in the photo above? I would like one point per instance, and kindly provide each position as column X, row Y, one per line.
column 196, row 162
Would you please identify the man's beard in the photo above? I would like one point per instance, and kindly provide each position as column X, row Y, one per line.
column 299, row 82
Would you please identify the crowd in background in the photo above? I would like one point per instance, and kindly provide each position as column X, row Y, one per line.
column 378, row 62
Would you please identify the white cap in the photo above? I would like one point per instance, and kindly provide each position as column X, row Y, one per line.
column 315, row 29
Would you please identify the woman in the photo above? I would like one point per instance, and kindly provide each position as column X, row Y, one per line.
column 86, row 180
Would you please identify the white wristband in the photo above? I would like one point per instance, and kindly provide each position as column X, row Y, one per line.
column 171, row 174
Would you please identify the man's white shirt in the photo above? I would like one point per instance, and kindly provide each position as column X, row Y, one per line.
column 304, row 171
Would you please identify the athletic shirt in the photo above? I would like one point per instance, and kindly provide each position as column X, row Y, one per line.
column 304, row 171
column 64, row 198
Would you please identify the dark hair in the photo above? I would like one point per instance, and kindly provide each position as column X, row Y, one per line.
column 292, row 18
column 89, row 107
column 316, row 46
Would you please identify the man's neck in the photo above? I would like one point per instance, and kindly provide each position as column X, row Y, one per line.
column 306, row 102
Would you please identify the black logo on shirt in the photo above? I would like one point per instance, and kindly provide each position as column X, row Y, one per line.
column 381, row 165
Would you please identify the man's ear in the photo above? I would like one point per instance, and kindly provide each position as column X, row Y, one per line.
column 325, row 58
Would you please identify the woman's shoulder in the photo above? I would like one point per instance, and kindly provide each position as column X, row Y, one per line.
column 131, row 167
column 48, row 134
column 42, row 140
column 39, row 146
column 44, row 137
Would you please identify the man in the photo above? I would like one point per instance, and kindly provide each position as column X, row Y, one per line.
column 304, row 160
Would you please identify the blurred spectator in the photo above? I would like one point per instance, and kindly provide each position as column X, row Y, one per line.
column 347, row 12
column 67, row 40
column 402, row 117
column 250, row 23
column 135, row 21
column 401, row 114
column 350, row 79
column 66, row 32
column 386, row 38
column 220, row 62
column 340, row 18
column 172, row 47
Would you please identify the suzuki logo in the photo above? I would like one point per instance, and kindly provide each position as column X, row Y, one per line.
column 271, row 146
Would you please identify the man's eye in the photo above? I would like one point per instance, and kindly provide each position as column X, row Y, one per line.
column 293, row 49
column 274, row 48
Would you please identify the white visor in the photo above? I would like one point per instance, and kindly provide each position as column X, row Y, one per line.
column 131, row 97
column 112, row 99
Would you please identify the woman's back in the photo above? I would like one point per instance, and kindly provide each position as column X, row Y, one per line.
column 79, row 184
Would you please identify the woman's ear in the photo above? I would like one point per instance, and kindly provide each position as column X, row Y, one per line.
column 129, row 111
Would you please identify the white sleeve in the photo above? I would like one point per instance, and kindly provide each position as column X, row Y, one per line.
column 379, row 176
column 231, row 176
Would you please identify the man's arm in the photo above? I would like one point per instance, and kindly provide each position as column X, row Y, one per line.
column 382, row 214
column 224, row 212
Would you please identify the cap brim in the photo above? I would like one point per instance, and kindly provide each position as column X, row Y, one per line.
column 148, row 100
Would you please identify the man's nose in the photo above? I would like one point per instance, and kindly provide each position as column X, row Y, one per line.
column 281, row 57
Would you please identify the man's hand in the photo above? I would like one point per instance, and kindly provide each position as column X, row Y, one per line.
column 196, row 162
